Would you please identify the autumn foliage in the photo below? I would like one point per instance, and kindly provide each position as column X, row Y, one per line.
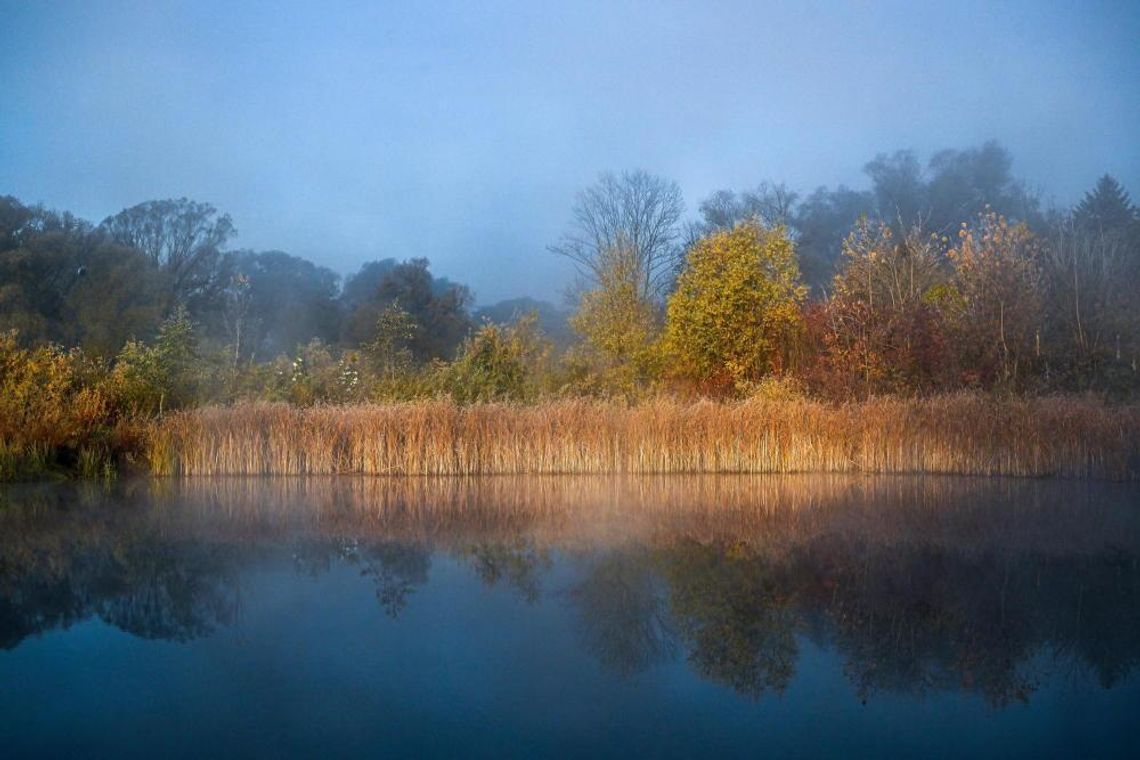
column 734, row 315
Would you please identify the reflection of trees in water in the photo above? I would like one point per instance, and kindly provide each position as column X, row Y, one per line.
column 178, row 593
column 916, row 596
column 918, row 620
column 623, row 613
column 151, row 589
column 734, row 613
column 517, row 563
column 29, row 605
column 397, row 569
column 910, row 619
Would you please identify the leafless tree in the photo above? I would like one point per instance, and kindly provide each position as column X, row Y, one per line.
column 771, row 204
column 631, row 209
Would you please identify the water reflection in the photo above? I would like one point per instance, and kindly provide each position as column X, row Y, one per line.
column 919, row 585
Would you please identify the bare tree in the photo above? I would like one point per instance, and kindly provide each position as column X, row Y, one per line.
column 633, row 209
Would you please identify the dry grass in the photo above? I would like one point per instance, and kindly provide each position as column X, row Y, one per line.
column 960, row 434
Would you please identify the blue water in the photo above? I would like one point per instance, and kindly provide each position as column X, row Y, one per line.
column 256, row 620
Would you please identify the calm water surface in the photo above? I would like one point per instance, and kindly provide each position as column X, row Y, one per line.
column 685, row 616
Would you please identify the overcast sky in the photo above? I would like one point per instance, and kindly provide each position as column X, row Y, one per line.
column 344, row 132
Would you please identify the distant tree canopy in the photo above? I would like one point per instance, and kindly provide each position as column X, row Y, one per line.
column 285, row 301
column 552, row 321
column 183, row 238
column 955, row 185
column 63, row 282
column 437, row 308
column 1106, row 209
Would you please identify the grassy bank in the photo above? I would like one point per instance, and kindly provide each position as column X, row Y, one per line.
column 961, row 434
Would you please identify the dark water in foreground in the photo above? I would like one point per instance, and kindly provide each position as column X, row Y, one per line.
column 698, row 616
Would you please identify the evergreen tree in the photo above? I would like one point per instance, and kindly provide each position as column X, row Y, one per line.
column 1106, row 208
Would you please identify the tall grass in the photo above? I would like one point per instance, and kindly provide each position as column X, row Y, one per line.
column 961, row 434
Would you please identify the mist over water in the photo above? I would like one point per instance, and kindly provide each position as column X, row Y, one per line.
column 538, row 616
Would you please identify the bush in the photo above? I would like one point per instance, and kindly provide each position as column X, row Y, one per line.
column 55, row 410
column 498, row 363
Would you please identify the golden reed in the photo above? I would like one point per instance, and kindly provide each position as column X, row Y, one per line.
column 959, row 434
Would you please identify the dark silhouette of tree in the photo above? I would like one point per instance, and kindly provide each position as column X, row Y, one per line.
column 822, row 222
column 962, row 183
column 1106, row 209
column 63, row 282
column 438, row 309
column 184, row 238
column 898, row 186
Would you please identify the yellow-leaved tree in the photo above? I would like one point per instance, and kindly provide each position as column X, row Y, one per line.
column 617, row 324
column 735, row 313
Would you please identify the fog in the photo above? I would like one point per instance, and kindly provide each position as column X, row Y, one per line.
column 461, row 132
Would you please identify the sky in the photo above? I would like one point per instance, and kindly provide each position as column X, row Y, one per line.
column 461, row 132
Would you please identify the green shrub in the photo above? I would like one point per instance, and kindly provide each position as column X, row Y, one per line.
column 498, row 363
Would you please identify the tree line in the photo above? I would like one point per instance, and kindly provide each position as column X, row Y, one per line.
column 940, row 276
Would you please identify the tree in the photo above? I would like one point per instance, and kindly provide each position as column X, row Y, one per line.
column 898, row 186
column 498, row 363
column 117, row 297
column 731, row 318
column 962, row 183
column 882, row 330
column 617, row 323
column 61, row 281
column 822, row 222
column 437, row 307
column 389, row 351
column 553, row 323
column 289, row 301
column 996, row 305
column 166, row 375
column 182, row 237
column 1106, row 209
column 770, row 204
column 888, row 270
column 634, row 210
column 1090, row 267
column 956, row 185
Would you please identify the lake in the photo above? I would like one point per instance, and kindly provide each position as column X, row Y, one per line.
column 584, row 616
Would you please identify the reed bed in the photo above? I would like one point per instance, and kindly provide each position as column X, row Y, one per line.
column 964, row 434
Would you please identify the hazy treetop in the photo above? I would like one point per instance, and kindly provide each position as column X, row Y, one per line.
column 461, row 132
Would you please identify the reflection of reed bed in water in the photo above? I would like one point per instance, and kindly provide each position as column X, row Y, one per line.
column 919, row 583
column 765, row 511
column 963, row 434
